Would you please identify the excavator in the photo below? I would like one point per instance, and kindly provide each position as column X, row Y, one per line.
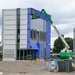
column 65, row 53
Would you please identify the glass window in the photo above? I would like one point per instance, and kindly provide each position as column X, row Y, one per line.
column 18, row 11
column 18, row 36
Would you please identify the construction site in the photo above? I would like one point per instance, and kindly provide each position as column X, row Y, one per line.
column 26, row 40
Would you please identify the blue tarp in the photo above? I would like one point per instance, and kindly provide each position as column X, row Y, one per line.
column 34, row 46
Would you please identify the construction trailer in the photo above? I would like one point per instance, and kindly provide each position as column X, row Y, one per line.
column 24, row 38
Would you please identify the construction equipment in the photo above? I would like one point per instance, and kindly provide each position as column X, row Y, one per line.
column 66, row 49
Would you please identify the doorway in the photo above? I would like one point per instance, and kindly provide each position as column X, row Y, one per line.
column 26, row 55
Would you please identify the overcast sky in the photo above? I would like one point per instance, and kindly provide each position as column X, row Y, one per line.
column 62, row 12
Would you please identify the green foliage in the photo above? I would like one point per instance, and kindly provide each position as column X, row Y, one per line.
column 1, row 54
column 59, row 45
column 70, row 42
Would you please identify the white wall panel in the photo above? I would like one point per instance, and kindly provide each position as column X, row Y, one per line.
column 10, row 22
column 9, row 42
column 10, row 12
column 23, row 17
column 22, row 41
column 23, row 37
column 9, row 47
column 23, row 11
column 23, row 46
column 10, row 27
column 9, row 37
column 23, row 26
column 9, row 17
column 9, row 32
column 8, row 51
column 7, row 56
column 23, row 31
column 23, row 22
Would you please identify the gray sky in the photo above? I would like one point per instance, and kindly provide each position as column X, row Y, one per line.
column 62, row 11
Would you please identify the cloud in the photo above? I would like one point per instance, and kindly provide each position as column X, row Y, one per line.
column 65, row 29
column 62, row 12
column 62, row 28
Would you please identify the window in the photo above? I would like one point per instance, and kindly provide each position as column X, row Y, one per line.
column 18, row 36
column 34, row 34
column 18, row 28
column 18, row 11
column 18, row 31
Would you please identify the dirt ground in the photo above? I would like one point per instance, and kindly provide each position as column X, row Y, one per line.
column 27, row 68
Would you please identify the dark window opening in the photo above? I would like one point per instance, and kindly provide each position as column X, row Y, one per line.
column 18, row 31
column 34, row 34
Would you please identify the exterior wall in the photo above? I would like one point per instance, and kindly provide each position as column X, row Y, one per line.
column 23, row 28
column 40, row 26
column 48, row 35
column 48, row 31
column 9, row 34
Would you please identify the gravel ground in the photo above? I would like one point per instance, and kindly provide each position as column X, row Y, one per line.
column 27, row 68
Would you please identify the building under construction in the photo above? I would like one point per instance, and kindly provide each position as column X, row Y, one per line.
column 25, row 38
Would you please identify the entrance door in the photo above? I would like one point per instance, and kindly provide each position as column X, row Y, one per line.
column 19, row 55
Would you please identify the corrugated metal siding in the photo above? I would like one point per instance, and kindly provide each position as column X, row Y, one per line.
column 23, row 28
column 37, row 24
column 9, row 34
column 6, row 37
column 9, row 41
column 40, row 26
column 9, row 12
column 8, row 56
column 10, row 18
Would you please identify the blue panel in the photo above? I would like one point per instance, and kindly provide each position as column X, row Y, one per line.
column 48, row 30
column 48, row 35
column 29, row 11
column 40, row 50
column 37, row 54
column 34, row 46
column 48, row 26
column 48, row 51
column 47, row 38
column 28, row 39
column 29, row 21
column 28, row 28
column 28, row 45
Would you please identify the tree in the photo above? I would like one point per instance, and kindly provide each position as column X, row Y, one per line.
column 59, row 45
column 70, row 42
